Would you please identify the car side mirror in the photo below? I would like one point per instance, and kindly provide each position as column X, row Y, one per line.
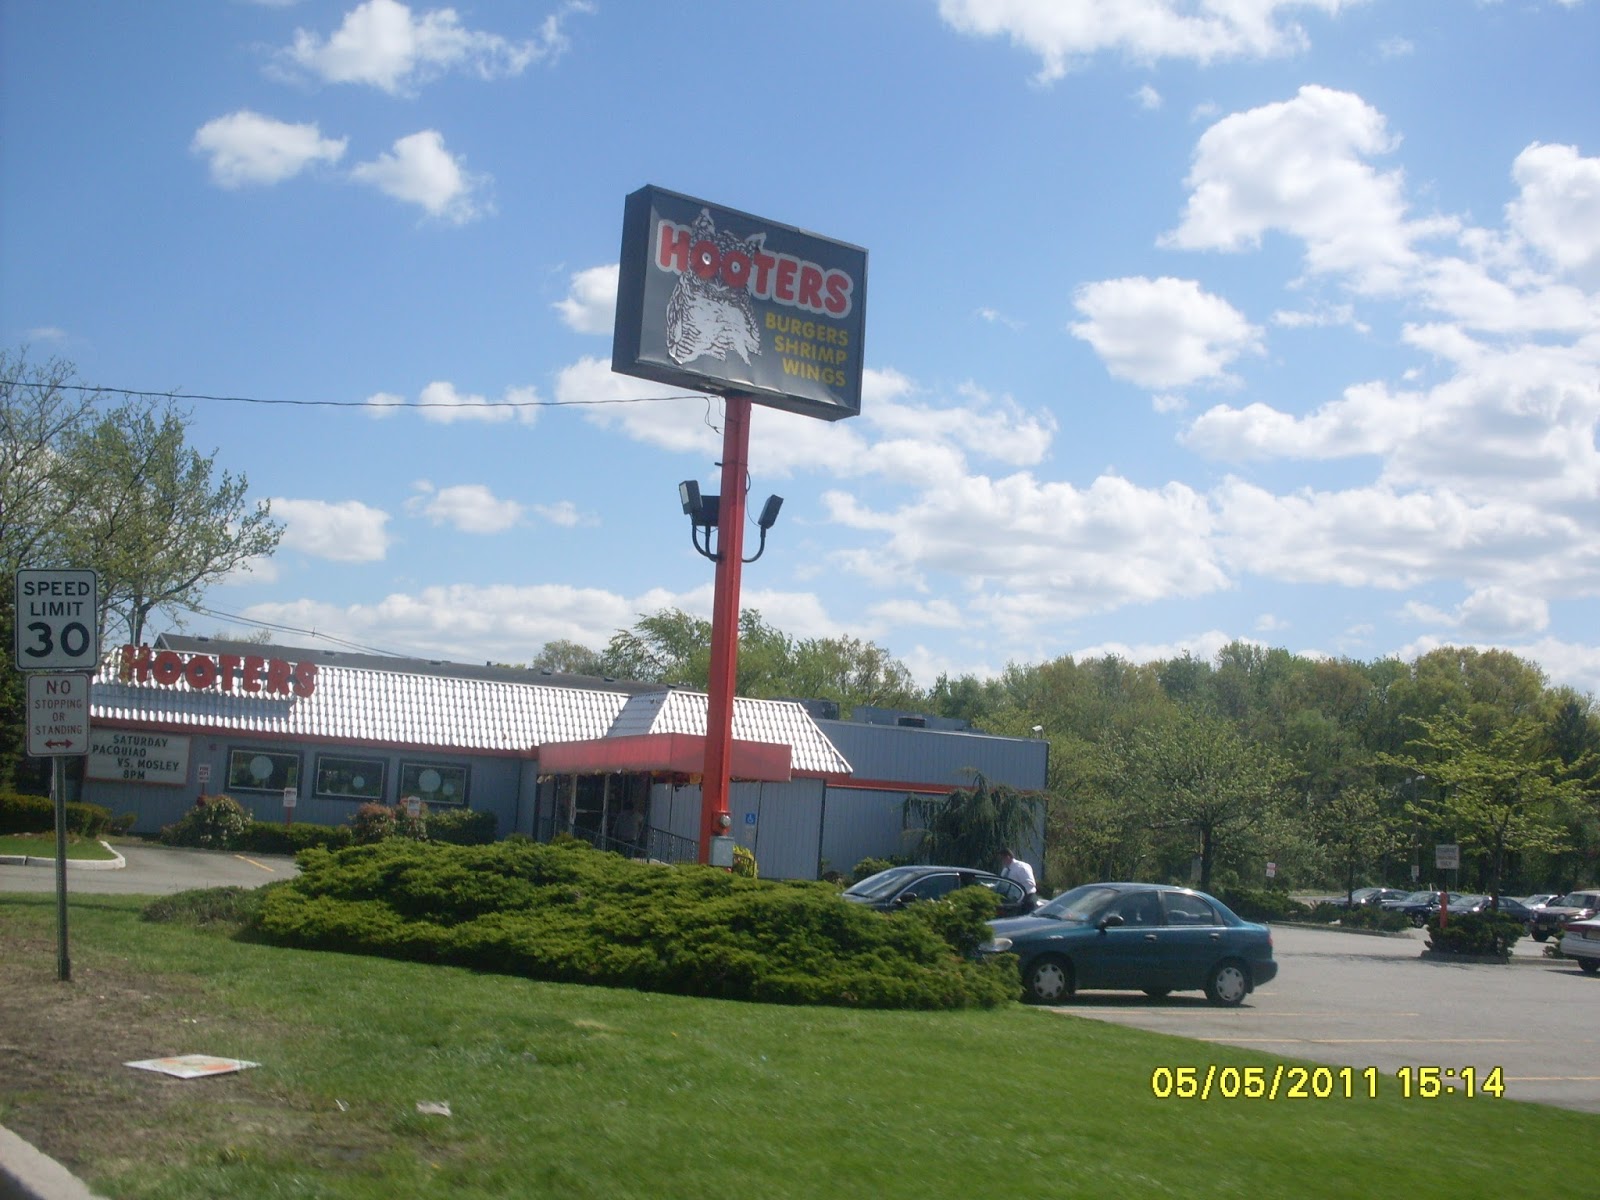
column 1110, row 922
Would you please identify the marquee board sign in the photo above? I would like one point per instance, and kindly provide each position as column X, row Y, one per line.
column 713, row 299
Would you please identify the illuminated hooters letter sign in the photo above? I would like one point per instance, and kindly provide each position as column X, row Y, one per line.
column 717, row 300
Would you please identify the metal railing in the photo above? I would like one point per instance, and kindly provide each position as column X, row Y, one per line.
column 658, row 845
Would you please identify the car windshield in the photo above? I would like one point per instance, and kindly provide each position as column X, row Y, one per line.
column 1081, row 904
column 884, row 883
column 1419, row 898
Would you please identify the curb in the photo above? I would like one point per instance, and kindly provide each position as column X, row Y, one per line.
column 73, row 864
column 26, row 1174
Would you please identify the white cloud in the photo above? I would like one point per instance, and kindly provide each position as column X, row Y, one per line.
column 1493, row 612
column 565, row 514
column 421, row 171
column 1162, row 333
column 1149, row 99
column 383, row 44
column 1559, row 208
column 591, row 302
column 1299, row 167
column 441, row 403
column 1063, row 31
column 247, row 148
column 348, row 531
column 467, row 507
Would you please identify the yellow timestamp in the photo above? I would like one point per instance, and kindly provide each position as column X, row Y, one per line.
column 1285, row 1082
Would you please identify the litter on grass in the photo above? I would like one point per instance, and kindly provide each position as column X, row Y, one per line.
column 434, row 1108
column 192, row 1066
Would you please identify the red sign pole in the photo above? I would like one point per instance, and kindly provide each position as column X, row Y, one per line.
column 714, row 816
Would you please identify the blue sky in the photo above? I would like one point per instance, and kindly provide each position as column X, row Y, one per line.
column 1274, row 320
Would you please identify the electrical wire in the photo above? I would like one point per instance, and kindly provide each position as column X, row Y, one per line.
column 405, row 404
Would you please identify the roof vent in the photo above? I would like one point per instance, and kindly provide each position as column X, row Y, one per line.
column 912, row 722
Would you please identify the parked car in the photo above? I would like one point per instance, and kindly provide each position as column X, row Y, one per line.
column 1509, row 906
column 1539, row 899
column 1581, row 943
column 1136, row 936
column 1574, row 906
column 899, row 886
column 1419, row 906
column 1375, row 895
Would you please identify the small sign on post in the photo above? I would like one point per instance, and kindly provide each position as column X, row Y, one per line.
column 58, row 715
column 291, row 797
column 57, row 621
column 1447, row 856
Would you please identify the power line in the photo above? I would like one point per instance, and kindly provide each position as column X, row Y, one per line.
column 326, row 637
column 404, row 404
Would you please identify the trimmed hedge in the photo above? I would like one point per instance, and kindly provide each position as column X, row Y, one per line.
column 37, row 814
column 1264, row 904
column 263, row 837
column 565, row 912
column 1486, row 933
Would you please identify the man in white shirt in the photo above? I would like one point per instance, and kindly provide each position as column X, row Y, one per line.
column 1012, row 867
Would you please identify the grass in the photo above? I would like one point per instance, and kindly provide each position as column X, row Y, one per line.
column 43, row 845
column 563, row 1090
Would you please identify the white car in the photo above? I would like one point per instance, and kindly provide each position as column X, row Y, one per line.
column 1581, row 943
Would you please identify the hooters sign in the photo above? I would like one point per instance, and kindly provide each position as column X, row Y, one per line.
column 717, row 300
column 247, row 673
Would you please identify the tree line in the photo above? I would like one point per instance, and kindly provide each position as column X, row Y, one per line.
column 1337, row 772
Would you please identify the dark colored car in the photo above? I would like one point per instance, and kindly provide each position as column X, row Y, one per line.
column 1553, row 917
column 1508, row 907
column 1418, row 906
column 1136, row 936
column 1373, row 896
column 898, row 886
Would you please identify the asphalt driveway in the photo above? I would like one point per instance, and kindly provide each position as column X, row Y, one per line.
column 154, row 870
column 1352, row 1000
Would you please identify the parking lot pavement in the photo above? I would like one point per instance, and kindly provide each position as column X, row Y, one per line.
column 1349, row 1000
column 156, row 870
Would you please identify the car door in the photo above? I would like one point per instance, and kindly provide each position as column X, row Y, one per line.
column 1009, row 893
column 1123, row 955
column 1192, row 940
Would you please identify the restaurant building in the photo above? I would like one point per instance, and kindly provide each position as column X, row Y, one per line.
column 309, row 735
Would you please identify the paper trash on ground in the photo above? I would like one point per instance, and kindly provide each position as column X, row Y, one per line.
column 434, row 1108
column 192, row 1066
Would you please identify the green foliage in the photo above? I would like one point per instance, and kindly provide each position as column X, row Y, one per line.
column 744, row 863
column 235, row 907
column 37, row 814
column 1371, row 916
column 565, row 912
column 218, row 824
column 870, row 866
column 372, row 823
column 1264, row 904
column 1475, row 933
column 265, row 837
column 462, row 826
column 971, row 826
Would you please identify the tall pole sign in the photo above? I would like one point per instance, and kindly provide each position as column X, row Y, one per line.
column 57, row 630
column 763, row 313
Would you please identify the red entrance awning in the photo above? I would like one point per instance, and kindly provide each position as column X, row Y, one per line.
column 666, row 753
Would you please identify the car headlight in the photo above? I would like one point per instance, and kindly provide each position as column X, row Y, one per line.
column 997, row 945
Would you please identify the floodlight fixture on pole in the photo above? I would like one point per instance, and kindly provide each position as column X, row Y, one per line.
column 705, row 512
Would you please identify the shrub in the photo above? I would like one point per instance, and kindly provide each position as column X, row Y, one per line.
column 870, row 866
column 263, row 837
column 37, row 814
column 372, row 823
column 566, row 912
column 1487, row 933
column 744, row 863
column 1371, row 916
column 200, row 907
column 218, row 824
column 1263, row 904
column 463, row 826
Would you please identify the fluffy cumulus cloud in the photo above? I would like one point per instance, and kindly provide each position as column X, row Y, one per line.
column 419, row 170
column 443, row 404
column 346, row 531
column 245, row 148
column 384, row 44
column 1300, row 167
column 1062, row 32
column 1162, row 333
column 591, row 302
column 466, row 507
column 1558, row 210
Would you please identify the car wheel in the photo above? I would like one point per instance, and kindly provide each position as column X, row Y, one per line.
column 1049, row 980
column 1417, row 922
column 1158, row 993
column 1541, row 935
column 1589, row 965
column 1228, row 983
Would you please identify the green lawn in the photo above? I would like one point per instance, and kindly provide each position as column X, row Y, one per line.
column 562, row 1090
column 43, row 845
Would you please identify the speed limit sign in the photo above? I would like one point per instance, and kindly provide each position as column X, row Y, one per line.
column 58, row 620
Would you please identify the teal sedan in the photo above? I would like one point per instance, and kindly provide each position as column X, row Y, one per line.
column 1145, row 937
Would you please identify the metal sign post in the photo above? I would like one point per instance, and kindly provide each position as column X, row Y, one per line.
column 58, row 630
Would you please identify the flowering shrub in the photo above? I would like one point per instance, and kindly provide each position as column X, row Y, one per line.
column 218, row 824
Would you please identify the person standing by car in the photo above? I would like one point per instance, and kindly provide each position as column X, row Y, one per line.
column 1013, row 868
